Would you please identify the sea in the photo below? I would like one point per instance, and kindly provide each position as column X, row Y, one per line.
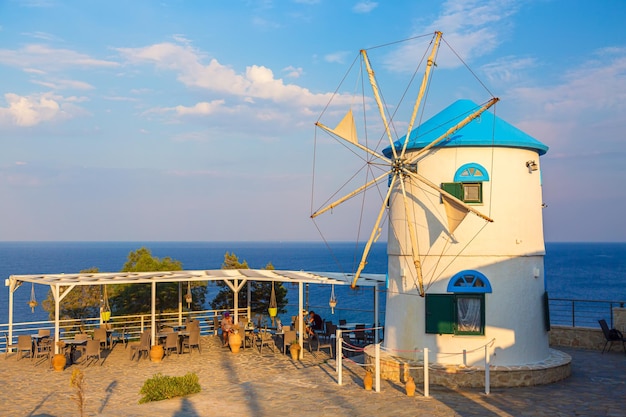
column 582, row 271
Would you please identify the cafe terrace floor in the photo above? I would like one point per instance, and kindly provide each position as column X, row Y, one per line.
column 271, row 384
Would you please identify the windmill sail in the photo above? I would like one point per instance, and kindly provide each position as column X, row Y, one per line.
column 346, row 129
column 454, row 212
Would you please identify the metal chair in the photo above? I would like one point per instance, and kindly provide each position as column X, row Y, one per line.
column 118, row 336
column 611, row 335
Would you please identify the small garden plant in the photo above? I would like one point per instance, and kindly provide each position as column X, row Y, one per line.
column 161, row 387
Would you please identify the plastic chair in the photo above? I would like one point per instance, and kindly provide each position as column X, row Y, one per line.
column 43, row 348
column 100, row 334
column 288, row 337
column 92, row 350
column 265, row 339
column 193, row 340
column 140, row 347
column 171, row 343
column 24, row 344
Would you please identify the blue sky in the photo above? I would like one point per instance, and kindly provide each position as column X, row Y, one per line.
column 194, row 120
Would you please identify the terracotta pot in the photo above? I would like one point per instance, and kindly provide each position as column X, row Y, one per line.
column 156, row 353
column 294, row 349
column 58, row 361
column 368, row 381
column 234, row 341
column 410, row 387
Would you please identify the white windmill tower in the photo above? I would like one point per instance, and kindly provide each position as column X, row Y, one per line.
column 465, row 233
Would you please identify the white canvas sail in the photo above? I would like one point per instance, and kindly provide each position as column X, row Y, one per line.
column 346, row 129
column 454, row 212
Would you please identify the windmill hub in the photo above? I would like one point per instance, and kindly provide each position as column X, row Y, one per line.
column 400, row 165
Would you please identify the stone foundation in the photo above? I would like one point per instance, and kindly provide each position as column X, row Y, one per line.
column 555, row 368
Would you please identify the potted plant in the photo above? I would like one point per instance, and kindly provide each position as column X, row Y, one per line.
column 294, row 349
column 59, row 360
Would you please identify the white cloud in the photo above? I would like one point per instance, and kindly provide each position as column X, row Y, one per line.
column 364, row 6
column 32, row 110
column 474, row 27
column 41, row 56
column 202, row 108
column 258, row 82
column 65, row 84
column 293, row 72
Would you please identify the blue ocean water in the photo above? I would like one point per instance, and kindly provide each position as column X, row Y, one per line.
column 20, row 258
column 589, row 271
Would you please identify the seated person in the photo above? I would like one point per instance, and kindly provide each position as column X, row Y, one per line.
column 314, row 323
column 227, row 327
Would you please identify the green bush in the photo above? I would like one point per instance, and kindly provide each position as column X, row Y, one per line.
column 161, row 387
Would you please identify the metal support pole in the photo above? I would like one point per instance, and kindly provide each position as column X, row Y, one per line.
column 377, row 364
column 376, row 307
column 300, row 320
column 339, row 355
column 153, row 314
column 426, row 377
column 487, row 370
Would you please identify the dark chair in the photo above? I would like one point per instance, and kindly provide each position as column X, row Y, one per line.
column 611, row 335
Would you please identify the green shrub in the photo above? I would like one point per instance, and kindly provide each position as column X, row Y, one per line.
column 161, row 387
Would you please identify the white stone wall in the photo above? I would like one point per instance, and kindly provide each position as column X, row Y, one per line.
column 509, row 252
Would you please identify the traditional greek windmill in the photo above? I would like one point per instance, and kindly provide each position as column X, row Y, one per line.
column 465, row 232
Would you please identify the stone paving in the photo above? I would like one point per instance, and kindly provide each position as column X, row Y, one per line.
column 252, row 384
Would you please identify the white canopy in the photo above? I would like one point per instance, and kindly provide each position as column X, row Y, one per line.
column 234, row 278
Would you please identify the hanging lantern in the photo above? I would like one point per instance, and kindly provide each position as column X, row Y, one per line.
column 188, row 297
column 33, row 302
column 273, row 308
column 333, row 300
column 105, row 312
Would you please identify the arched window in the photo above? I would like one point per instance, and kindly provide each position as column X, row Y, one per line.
column 471, row 172
column 468, row 183
column 463, row 311
column 469, row 281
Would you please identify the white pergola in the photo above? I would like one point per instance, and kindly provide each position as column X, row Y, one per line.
column 62, row 284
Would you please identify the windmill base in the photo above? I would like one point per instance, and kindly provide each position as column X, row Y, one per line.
column 555, row 368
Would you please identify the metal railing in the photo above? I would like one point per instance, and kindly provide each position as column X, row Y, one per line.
column 581, row 313
column 563, row 312
column 133, row 324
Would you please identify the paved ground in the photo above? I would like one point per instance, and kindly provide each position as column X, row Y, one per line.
column 268, row 384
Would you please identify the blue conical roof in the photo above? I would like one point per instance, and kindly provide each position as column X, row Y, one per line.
column 486, row 130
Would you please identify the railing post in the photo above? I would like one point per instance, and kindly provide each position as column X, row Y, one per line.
column 426, row 376
column 338, row 354
column 487, row 389
column 573, row 315
column 377, row 364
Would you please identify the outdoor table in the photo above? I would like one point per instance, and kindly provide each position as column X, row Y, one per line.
column 36, row 338
column 72, row 345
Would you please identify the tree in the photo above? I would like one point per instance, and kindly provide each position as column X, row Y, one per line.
column 260, row 291
column 83, row 301
column 135, row 298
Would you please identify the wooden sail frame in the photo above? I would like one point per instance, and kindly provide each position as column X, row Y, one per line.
column 400, row 165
